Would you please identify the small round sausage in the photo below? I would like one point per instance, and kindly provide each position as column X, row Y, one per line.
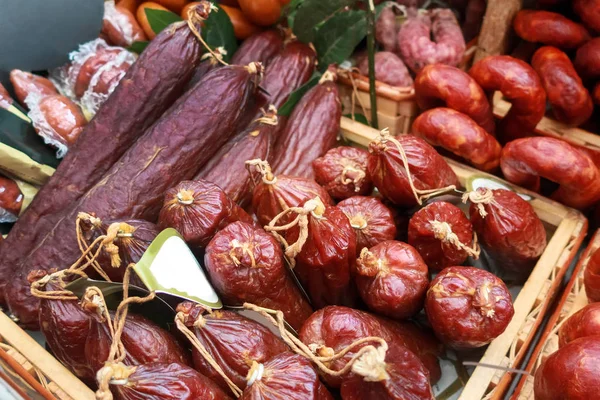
column 570, row 100
column 372, row 221
column 468, row 307
column 587, row 60
column 524, row 161
column 342, row 171
column 550, row 28
column 591, row 277
column 442, row 85
column 521, row 85
column 589, row 12
column 456, row 132
column 585, row 322
column 25, row 83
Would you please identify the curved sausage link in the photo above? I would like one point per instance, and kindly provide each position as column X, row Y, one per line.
column 442, row 85
column 550, row 28
column 459, row 134
column 570, row 100
column 521, row 85
column 589, row 12
column 524, row 161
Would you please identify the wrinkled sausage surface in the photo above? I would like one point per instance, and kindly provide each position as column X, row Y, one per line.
column 372, row 220
column 342, row 171
column 591, row 277
column 389, row 68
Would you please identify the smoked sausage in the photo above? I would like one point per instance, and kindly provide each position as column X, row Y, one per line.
column 442, row 85
column 585, row 322
column 261, row 47
column 589, row 12
column 521, row 85
column 571, row 102
column 25, row 83
column 525, row 161
column 389, row 68
column 550, row 28
column 372, row 220
column 587, row 60
column 591, row 277
column 342, row 171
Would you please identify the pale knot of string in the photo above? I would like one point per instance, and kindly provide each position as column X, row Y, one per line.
column 358, row 221
column 255, row 373
column 420, row 194
column 58, row 276
column 484, row 300
column 479, row 197
column 216, row 57
column 314, row 207
column 371, row 365
column 185, row 197
column 245, row 248
column 269, row 117
column 329, row 76
column 94, row 221
column 112, row 374
column 195, row 16
column 443, row 231
column 369, row 265
column 109, row 243
column 263, row 168
column 348, row 172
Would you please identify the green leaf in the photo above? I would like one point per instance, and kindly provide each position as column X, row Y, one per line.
column 138, row 47
column 218, row 32
column 312, row 13
column 358, row 118
column 297, row 94
column 160, row 19
column 290, row 10
column 339, row 36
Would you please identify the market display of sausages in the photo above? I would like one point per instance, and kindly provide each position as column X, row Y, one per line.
column 212, row 233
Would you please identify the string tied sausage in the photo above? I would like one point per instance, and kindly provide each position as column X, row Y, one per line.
column 443, row 232
column 479, row 198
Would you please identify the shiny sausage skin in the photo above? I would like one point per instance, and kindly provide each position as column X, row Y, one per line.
column 596, row 94
column 521, row 85
column 524, row 161
column 261, row 47
column 571, row 102
column 587, row 60
column 442, row 85
column 550, row 28
column 456, row 132
column 25, row 83
column 589, row 12
column 591, row 277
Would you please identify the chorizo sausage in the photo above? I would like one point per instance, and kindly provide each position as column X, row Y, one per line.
column 11, row 200
column 120, row 27
column 524, row 161
column 389, row 68
column 585, row 322
column 372, row 220
column 25, row 83
column 521, row 85
column 261, row 47
column 416, row 47
column 550, row 28
column 591, row 277
column 456, row 132
column 442, row 85
column 571, row 102
column 148, row 88
column 173, row 149
column 589, row 12
column 587, row 60
column 342, row 171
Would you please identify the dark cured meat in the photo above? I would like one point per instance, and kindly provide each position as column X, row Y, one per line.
column 550, row 28
column 342, row 171
column 468, row 307
column 233, row 341
column 286, row 376
column 245, row 264
column 510, row 231
column 428, row 169
column 389, row 69
column 227, row 167
column 440, row 253
column 11, row 200
column 589, row 12
column 172, row 150
column 261, row 47
column 585, row 322
column 333, row 328
column 587, row 59
column 207, row 64
column 570, row 373
column 164, row 381
column 373, row 221
column 311, row 130
column 392, row 279
column 150, row 86
column 198, row 210
column 591, row 277
column 386, row 31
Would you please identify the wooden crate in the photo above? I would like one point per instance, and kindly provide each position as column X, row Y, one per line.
column 573, row 299
column 38, row 367
column 535, row 298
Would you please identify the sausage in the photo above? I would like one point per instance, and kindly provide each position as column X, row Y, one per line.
column 431, row 231
column 474, row 14
column 571, row 372
column 311, row 130
column 386, row 32
column 209, row 61
column 550, row 28
column 571, row 102
column 11, row 200
column 508, row 228
column 442, row 85
column 418, row 50
column 173, row 149
column 286, row 376
column 5, row 99
column 521, row 85
column 596, row 94
column 389, row 69
column 25, row 83
column 583, row 323
column 468, row 307
column 227, row 167
column 525, row 161
column 342, row 171
column 88, row 60
column 261, row 47
column 373, row 221
column 120, row 27
column 428, row 170
column 589, row 12
column 587, row 60
column 591, row 277
column 456, row 132
column 235, row 341
column 392, row 279
column 150, row 86
column 245, row 264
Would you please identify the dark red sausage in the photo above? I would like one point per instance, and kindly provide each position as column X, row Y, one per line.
column 389, row 68
column 591, row 277
column 261, row 47
column 372, row 220
column 550, row 28
column 589, row 12
column 587, row 60
column 11, row 200
column 585, row 322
